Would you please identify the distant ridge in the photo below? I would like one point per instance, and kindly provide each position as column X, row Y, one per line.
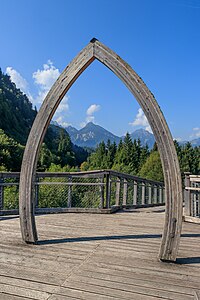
column 91, row 135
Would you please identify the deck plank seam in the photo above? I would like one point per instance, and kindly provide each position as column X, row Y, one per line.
column 74, row 269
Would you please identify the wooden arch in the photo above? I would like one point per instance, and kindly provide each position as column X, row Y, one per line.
column 173, row 187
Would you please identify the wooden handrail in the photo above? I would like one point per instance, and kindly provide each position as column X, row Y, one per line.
column 115, row 188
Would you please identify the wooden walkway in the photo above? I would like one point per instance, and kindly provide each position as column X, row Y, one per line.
column 89, row 256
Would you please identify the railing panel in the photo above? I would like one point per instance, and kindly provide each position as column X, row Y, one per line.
column 92, row 189
column 192, row 196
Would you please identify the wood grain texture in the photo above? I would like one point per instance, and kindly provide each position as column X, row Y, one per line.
column 173, row 186
column 98, row 257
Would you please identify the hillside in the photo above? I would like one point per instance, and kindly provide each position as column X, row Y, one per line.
column 16, row 119
column 16, row 112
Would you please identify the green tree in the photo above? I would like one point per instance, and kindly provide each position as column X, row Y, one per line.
column 152, row 168
column 10, row 153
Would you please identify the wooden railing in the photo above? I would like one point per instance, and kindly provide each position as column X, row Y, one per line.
column 102, row 190
column 192, row 198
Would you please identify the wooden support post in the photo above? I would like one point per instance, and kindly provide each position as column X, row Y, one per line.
column 187, row 195
column 160, row 194
column 155, row 193
column 135, row 190
column 125, row 191
column 36, row 192
column 118, row 185
column 194, row 201
column 102, row 192
column 1, row 194
column 143, row 193
column 150, row 194
column 69, row 199
column 108, row 190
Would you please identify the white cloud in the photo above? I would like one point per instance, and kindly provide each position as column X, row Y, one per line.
column 20, row 82
column 15, row 77
column 47, row 76
column 178, row 139
column 196, row 133
column 43, row 79
column 141, row 120
column 92, row 109
column 61, row 122
column 89, row 114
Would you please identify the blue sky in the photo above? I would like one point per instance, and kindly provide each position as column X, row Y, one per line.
column 160, row 39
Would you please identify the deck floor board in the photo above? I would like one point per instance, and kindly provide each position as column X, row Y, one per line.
column 88, row 256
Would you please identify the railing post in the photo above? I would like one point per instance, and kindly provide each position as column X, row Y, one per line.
column 149, row 194
column 143, row 193
column 102, row 192
column 36, row 192
column 69, row 199
column 135, row 188
column 125, row 192
column 108, row 190
column 118, row 185
column 187, row 195
column 155, row 193
column 160, row 194
column 1, row 194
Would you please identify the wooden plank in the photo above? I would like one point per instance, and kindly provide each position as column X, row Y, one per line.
column 23, row 292
column 190, row 219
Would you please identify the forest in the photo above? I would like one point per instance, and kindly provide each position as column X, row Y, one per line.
column 58, row 153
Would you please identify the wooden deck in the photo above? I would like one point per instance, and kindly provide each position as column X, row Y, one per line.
column 89, row 256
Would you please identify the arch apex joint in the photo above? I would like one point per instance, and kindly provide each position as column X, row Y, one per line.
column 93, row 40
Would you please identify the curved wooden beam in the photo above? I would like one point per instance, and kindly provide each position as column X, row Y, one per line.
column 173, row 186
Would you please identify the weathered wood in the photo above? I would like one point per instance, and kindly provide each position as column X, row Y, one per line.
column 37, row 192
column 125, row 191
column 108, row 190
column 187, row 198
column 118, row 185
column 1, row 194
column 143, row 193
column 69, row 198
column 190, row 188
column 191, row 219
column 173, row 187
column 135, row 190
column 102, row 184
column 160, row 194
column 155, row 193
column 97, row 257
column 150, row 194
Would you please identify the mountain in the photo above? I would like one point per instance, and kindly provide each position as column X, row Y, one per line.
column 145, row 137
column 91, row 135
column 195, row 142
column 72, row 131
